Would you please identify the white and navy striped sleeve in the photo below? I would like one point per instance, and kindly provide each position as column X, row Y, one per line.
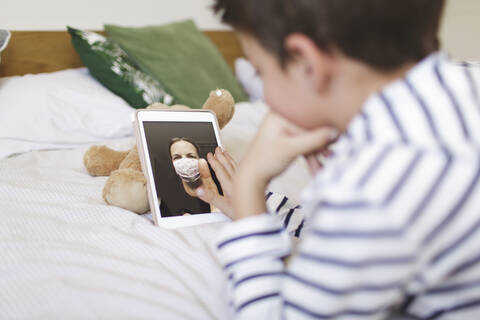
column 335, row 272
column 290, row 213
column 366, row 248
column 252, row 253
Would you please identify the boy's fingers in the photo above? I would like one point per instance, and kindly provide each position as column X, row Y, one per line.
column 327, row 153
column 314, row 140
column 230, row 158
column 220, row 171
column 206, row 176
column 313, row 164
column 214, row 199
column 204, row 169
column 221, row 157
column 278, row 120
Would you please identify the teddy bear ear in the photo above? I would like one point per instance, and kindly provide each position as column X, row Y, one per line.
column 220, row 95
column 161, row 106
column 157, row 106
column 221, row 102
column 180, row 107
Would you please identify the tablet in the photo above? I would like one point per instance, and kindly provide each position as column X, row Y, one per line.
column 171, row 145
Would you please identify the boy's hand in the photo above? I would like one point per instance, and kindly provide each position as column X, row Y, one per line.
column 314, row 164
column 277, row 143
column 224, row 166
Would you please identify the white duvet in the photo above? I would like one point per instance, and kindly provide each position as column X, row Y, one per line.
column 65, row 254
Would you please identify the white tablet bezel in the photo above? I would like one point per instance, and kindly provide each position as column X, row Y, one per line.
column 171, row 116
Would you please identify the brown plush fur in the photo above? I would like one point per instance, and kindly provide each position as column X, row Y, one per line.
column 131, row 161
column 221, row 102
column 94, row 160
column 127, row 189
column 126, row 186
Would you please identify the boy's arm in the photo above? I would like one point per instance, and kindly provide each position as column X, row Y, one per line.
column 334, row 273
column 289, row 212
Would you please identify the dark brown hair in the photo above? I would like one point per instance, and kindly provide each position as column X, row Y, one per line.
column 385, row 34
column 182, row 139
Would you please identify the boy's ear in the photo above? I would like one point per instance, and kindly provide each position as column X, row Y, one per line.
column 315, row 65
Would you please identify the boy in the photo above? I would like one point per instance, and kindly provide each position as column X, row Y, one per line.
column 392, row 220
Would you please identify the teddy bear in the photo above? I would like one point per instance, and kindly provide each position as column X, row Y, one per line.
column 126, row 185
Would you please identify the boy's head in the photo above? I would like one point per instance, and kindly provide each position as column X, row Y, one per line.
column 383, row 33
column 383, row 36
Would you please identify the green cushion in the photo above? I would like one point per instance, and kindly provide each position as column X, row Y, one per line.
column 181, row 57
column 110, row 65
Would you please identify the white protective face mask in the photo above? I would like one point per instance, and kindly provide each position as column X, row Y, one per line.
column 187, row 169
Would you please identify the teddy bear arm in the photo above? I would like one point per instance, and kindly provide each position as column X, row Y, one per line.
column 131, row 161
column 101, row 160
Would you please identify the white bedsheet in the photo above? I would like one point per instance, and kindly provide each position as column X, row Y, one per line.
column 66, row 254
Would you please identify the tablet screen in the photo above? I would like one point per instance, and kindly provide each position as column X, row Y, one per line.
column 175, row 149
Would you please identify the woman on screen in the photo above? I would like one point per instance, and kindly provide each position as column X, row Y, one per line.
column 185, row 155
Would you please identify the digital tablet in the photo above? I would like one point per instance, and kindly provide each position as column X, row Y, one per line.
column 171, row 145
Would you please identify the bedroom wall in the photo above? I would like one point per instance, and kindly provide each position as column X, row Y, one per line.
column 460, row 29
column 92, row 14
column 458, row 33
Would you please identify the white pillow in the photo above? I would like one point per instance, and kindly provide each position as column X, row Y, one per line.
column 4, row 38
column 58, row 110
column 250, row 80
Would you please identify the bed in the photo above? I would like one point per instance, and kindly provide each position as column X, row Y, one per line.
column 67, row 254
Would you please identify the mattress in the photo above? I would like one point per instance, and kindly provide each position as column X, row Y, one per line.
column 67, row 254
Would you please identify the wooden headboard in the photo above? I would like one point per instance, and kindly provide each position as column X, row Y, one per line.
column 48, row 51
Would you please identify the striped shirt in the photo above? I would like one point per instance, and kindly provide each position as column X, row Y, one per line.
column 391, row 222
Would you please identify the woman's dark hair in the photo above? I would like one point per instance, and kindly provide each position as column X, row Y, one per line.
column 385, row 34
column 194, row 184
column 182, row 139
